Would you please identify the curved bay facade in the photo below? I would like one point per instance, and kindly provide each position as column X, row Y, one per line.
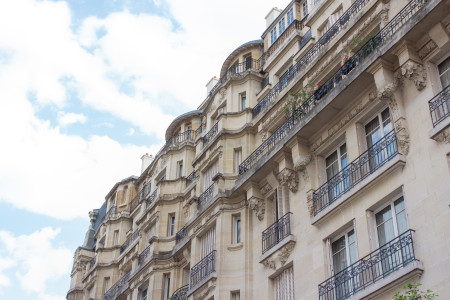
column 317, row 167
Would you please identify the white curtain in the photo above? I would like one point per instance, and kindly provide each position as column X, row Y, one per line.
column 284, row 285
column 208, row 242
column 209, row 174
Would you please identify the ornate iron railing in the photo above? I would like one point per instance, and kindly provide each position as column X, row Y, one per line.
column 204, row 268
column 189, row 135
column 276, row 232
column 92, row 262
column 151, row 198
column 206, row 196
column 439, row 106
column 181, row 234
column 305, row 108
column 118, row 288
column 191, row 178
column 111, row 212
column 382, row 262
column 295, row 25
column 181, row 293
column 211, row 133
column 143, row 255
column 127, row 243
column 367, row 163
column 312, row 53
column 265, row 82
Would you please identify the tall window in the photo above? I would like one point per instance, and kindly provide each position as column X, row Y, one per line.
column 378, row 128
column 343, row 251
column 248, row 62
column 116, row 238
column 166, row 286
column 444, row 72
column 106, row 283
column 243, row 101
column 237, row 159
column 208, row 242
column 180, row 169
column 171, row 228
column 336, row 162
column 305, row 8
column 235, row 295
column 284, row 285
column 273, row 35
column 236, row 238
column 331, row 20
column 282, row 25
column 290, row 16
column 143, row 191
column 209, row 174
column 188, row 131
column 143, row 294
column 125, row 194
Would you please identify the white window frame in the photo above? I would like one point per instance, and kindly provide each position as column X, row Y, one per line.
column 237, row 229
column 284, row 290
column 116, row 237
column 143, row 294
column 237, row 159
column 344, row 234
column 339, row 158
column 180, row 169
column 380, row 119
column 171, row 225
column 166, row 286
column 242, row 101
column 235, row 295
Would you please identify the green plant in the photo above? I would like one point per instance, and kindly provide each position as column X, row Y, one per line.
column 358, row 42
column 412, row 292
column 294, row 100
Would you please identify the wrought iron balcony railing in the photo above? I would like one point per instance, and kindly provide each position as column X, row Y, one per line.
column 306, row 107
column 206, row 196
column 211, row 133
column 127, row 243
column 382, row 262
column 367, row 163
column 181, row 293
column 189, row 135
column 118, row 287
column 276, row 232
column 151, row 198
column 204, row 268
column 265, row 82
column 439, row 106
column 144, row 254
column 312, row 53
column 111, row 212
column 191, row 178
column 92, row 262
column 181, row 234
column 295, row 25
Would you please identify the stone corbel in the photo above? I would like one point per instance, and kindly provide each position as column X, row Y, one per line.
column 310, row 202
column 285, row 252
column 258, row 206
column 402, row 136
column 384, row 13
column 269, row 263
column 288, row 177
column 416, row 73
column 300, row 165
column 443, row 136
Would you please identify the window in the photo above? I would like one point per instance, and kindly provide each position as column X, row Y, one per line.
column 290, row 16
column 143, row 295
column 208, row 242
column 237, row 159
column 282, row 26
column 331, row 20
column 243, row 101
column 180, row 169
column 143, row 191
column 284, row 79
column 188, row 131
column 305, row 8
column 235, row 295
column 444, row 72
column 125, row 194
column 236, row 238
column 378, row 128
column 273, row 35
column 209, row 174
column 248, row 62
column 166, row 286
column 105, row 285
column 171, row 228
column 116, row 238
column 284, row 285
column 336, row 162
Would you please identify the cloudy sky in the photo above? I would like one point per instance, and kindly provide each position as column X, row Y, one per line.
column 86, row 88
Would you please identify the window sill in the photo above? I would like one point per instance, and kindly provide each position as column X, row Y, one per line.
column 235, row 247
column 440, row 132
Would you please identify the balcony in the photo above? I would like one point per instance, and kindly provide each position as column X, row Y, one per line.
column 202, row 271
column 151, row 198
column 193, row 176
column 304, row 110
column 214, row 130
column 144, row 254
column 276, row 232
column 131, row 239
column 118, row 288
column 181, row 293
column 373, row 271
column 439, row 110
column 337, row 27
column 92, row 262
column 206, row 196
column 367, row 163
column 182, row 233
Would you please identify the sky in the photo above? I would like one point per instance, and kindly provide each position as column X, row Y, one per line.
column 86, row 88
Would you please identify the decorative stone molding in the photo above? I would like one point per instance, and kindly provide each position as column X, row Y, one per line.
column 427, row 49
column 264, row 134
column 384, row 14
column 266, row 188
column 402, row 136
column 301, row 162
column 285, row 252
column 310, row 203
column 186, row 211
column 203, row 294
column 443, row 136
column 258, row 206
column 269, row 263
column 222, row 93
column 416, row 73
column 290, row 178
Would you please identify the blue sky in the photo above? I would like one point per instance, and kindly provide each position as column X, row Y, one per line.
column 86, row 88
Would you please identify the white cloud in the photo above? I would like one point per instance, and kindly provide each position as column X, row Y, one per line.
column 5, row 263
column 131, row 131
column 65, row 119
column 37, row 260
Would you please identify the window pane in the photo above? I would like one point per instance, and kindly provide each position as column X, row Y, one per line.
column 386, row 119
column 444, row 72
column 402, row 225
column 339, row 256
column 332, row 165
column 373, row 133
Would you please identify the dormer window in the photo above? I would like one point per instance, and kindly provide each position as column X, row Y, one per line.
column 290, row 16
column 282, row 26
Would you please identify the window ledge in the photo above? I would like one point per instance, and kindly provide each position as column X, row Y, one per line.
column 396, row 162
column 235, row 247
column 441, row 132
column 290, row 238
column 202, row 283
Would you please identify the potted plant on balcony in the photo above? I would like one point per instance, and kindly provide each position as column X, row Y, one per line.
column 319, row 91
column 347, row 65
column 293, row 101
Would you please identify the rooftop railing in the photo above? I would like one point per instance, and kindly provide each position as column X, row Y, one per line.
column 214, row 130
column 181, row 293
column 178, row 138
column 312, row 53
column 206, row 196
column 382, row 262
column 367, row 163
column 144, row 254
column 204, row 268
column 439, row 106
column 352, row 63
column 118, row 288
column 127, row 243
column 276, row 232
column 111, row 212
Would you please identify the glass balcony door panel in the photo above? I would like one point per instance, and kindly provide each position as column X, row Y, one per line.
column 336, row 162
column 376, row 129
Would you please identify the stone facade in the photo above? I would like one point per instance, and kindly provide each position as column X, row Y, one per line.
column 346, row 196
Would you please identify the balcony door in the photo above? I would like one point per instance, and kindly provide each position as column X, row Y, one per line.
column 208, row 242
column 343, row 252
column 377, row 129
column 335, row 163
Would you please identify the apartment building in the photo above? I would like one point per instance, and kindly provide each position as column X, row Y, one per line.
column 317, row 167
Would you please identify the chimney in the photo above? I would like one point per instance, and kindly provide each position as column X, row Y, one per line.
column 272, row 15
column 211, row 84
column 146, row 161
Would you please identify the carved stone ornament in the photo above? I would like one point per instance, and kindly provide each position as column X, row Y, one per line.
column 402, row 136
column 290, row 178
column 264, row 133
column 269, row 263
column 426, row 49
column 285, row 252
column 443, row 136
column 302, row 161
column 416, row 73
column 266, row 188
column 202, row 294
column 258, row 206
column 223, row 93
column 186, row 211
column 384, row 14
column 310, row 203
column 80, row 266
